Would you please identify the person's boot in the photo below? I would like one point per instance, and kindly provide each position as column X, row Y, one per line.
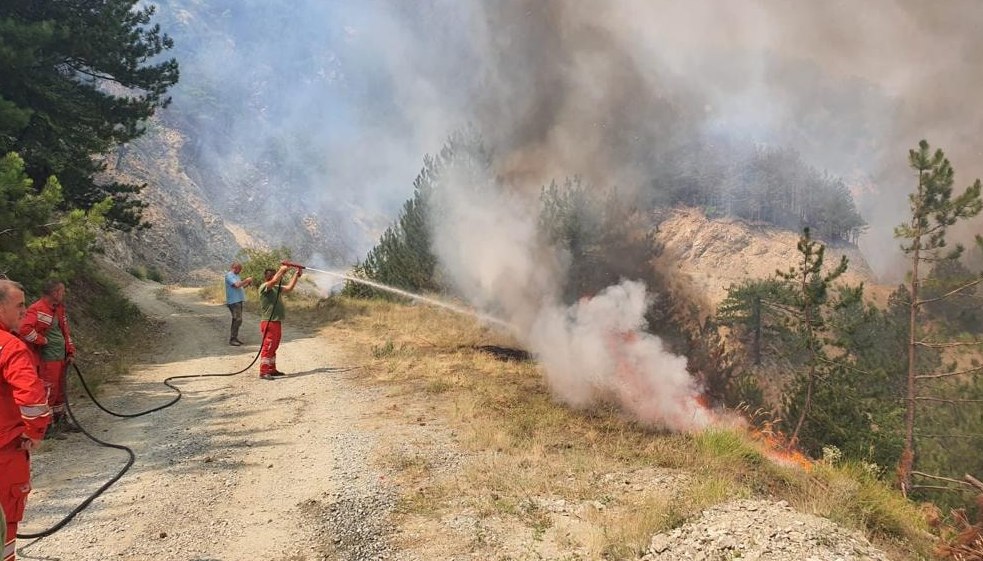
column 68, row 425
column 55, row 431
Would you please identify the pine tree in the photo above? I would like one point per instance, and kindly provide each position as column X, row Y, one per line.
column 809, row 302
column 751, row 309
column 78, row 80
column 855, row 407
column 403, row 256
column 572, row 217
column 933, row 210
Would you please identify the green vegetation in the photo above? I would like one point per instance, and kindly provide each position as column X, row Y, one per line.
column 962, row 311
column 255, row 261
column 95, row 302
column 77, row 83
column 143, row 272
column 806, row 308
column 403, row 256
column 37, row 242
column 752, row 310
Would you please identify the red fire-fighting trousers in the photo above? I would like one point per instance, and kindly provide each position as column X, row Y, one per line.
column 271, row 342
column 15, row 484
column 53, row 376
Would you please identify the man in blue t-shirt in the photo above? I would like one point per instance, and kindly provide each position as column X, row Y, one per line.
column 234, row 297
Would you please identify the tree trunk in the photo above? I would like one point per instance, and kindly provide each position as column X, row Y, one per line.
column 908, row 455
column 757, row 330
column 805, row 408
column 807, row 313
column 907, row 462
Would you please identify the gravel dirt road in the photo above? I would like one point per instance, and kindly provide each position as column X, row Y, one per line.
column 241, row 468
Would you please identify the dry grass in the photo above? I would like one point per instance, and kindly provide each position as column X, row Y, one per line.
column 105, row 355
column 524, row 450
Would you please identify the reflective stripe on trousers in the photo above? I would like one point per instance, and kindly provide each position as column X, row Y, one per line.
column 271, row 342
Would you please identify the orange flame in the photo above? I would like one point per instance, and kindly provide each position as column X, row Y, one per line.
column 779, row 448
column 776, row 446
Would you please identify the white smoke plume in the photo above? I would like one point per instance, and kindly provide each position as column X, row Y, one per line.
column 595, row 351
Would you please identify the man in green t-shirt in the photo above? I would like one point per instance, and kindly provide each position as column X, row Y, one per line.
column 273, row 311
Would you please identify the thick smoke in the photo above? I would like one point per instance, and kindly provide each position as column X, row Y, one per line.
column 605, row 88
column 333, row 103
column 595, row 351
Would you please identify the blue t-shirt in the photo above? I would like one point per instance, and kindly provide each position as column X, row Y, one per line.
column 233, row 295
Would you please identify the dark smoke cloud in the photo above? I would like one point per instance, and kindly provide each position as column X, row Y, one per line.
column 339, row 101
column 851, row 86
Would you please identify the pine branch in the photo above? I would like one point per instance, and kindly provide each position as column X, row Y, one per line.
column 965, row 436
column 948, row 374
column 974, row 482
column 9, row 230
column 946, row 400
column 947, row 345
column 940, row 478
column 95, row 75
column 781, row 308
column 936, row 487
column 951, row 292
column 845, row 365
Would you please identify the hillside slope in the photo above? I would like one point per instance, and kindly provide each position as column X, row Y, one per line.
column 713, row 254
column 185, row 233
column 199, row 217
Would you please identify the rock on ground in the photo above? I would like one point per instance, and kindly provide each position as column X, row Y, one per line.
column 761, row 530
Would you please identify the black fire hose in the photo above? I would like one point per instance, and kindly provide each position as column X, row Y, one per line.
column 132, row 457
column 82, row 506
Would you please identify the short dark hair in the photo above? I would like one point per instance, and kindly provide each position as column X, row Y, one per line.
column 50, row 286
column 268, row 271
column 7, row 287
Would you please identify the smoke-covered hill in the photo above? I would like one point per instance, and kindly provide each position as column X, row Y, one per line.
column 307, row 120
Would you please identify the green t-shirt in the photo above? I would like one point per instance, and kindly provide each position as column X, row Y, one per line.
column 55, row 347
column 267, row 296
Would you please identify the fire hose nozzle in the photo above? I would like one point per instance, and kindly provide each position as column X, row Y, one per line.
column 294, row 265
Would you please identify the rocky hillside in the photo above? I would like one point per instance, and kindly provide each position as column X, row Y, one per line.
column 199, row 218
column 714, row 254
column 185, row 236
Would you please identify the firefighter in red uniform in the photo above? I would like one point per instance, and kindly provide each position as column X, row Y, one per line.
column 46, row 330
column 24, row 412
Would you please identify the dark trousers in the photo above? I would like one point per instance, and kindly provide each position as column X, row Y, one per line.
column 236, row 310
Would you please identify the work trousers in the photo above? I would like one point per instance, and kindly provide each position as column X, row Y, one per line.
column 53, row 376
column 236, row 310
column 271, row 342
column 15, row 485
